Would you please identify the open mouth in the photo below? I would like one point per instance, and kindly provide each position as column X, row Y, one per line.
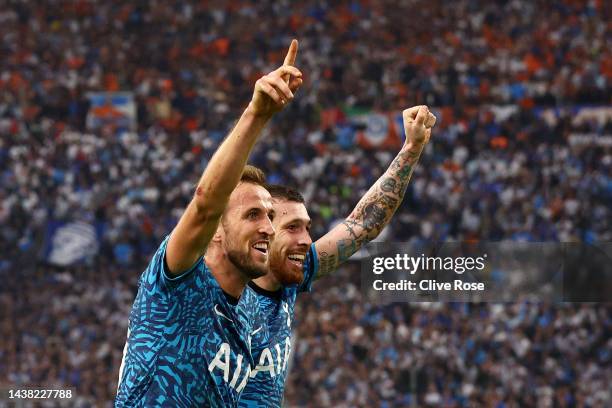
column 296, row 259
column 261, row 246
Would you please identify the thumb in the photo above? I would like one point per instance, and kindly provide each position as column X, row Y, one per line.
column 409, row 114
column 422, row 115
column 431, row 120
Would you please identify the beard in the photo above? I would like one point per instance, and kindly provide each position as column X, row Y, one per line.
column 284, row 274
column 245, row 264
column 241, row 259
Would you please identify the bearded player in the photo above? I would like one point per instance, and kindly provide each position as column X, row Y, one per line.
column 188, row 336
column 295, row 261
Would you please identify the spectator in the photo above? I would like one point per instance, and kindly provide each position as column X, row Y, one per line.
column 500, row 167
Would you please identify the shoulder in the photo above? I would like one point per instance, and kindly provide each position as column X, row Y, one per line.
column 310, row 268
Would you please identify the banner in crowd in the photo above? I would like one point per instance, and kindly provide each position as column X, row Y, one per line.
column 579, row 114
column 385, row 130
column 70, row 242
column 115, row 109
column 378, row 130
column 366, row 129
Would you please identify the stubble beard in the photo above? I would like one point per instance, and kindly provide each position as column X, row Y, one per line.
column 245, row 264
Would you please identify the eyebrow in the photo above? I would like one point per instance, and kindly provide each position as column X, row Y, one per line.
column 261, row 209
column 308, row 222
column 249, row 210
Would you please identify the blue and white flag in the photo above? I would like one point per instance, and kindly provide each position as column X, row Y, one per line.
column 117, row 109
column 70, row 242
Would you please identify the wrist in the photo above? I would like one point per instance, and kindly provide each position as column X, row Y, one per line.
column 413, row 147
column 250, row 111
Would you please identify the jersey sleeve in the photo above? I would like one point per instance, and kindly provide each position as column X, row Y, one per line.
column 311, row 267
column 158, row 273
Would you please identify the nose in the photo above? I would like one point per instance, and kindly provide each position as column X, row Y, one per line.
column 266, row 228
column 305, row 239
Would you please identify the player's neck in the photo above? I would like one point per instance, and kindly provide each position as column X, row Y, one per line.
column 268, row 282
column 229, row 278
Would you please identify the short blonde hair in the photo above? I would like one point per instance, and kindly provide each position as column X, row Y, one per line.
column 253, row 175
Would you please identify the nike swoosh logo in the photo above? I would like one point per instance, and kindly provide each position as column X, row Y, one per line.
column 217, row 311
column 257, row 331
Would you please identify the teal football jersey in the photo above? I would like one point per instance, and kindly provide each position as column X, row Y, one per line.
column 189, row 343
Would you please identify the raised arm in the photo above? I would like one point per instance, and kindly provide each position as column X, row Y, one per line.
column 198, row 223
column 377, row 206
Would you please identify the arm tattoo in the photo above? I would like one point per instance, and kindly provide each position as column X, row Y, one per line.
column 404, row 173
column 373, row 216
column 388, row 185
column 346, row 248
column 388, row 201
column 327, row 263
column 374, row 210
column 350, row 225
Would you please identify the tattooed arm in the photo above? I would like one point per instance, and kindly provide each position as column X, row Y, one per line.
column 377, row 206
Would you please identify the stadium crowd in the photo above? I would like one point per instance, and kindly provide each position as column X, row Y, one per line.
column 499, row 167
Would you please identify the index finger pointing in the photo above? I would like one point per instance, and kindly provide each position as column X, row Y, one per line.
column 292, row 53
column 286, row 70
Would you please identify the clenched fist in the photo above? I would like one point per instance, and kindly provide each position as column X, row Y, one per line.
column 418, row 122
column 275, row 90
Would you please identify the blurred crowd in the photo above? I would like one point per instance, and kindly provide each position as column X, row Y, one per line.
column 500, row 166
column 350, row 353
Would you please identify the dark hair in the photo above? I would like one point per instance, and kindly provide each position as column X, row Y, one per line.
column 285, row 193
column 253, row 175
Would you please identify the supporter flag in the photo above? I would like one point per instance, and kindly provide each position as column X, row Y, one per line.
column 377, row 131
column 374, row 130
column 578, row 114
column 70, row 242
column 116, row 109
